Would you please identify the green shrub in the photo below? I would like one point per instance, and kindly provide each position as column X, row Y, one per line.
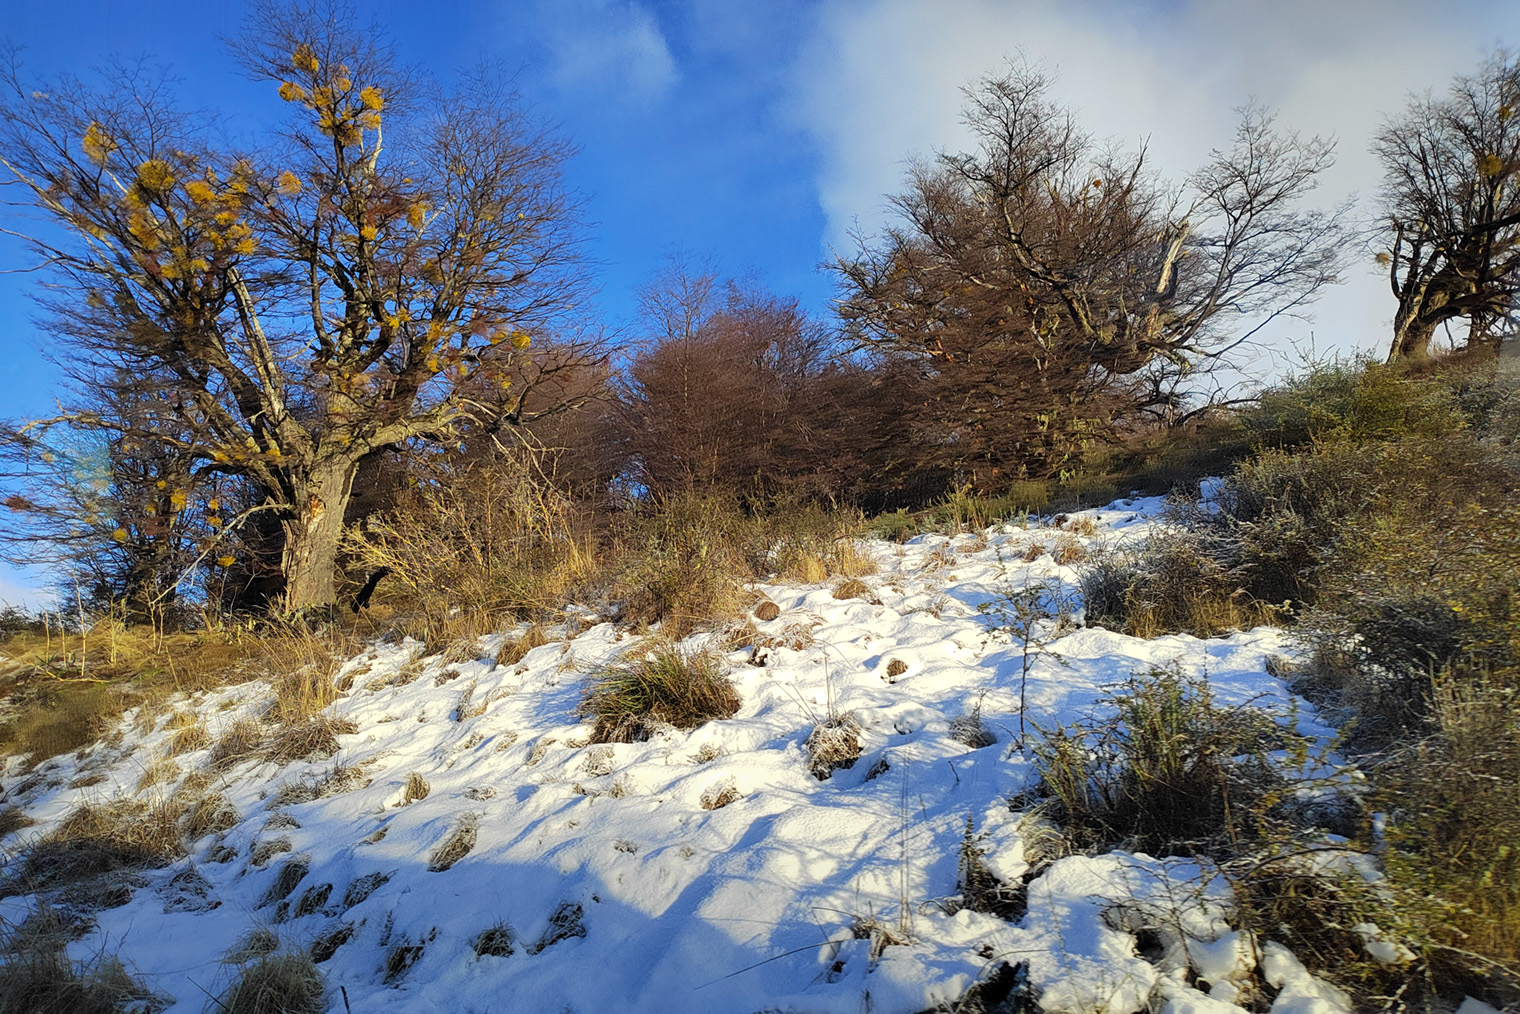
column 1356, row 401
column 668, row 686
column 1167, row 771
column 1455, row 834
column 894, row 526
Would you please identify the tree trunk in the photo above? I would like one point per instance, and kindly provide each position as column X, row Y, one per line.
column 313, row 536
column 1412, row 335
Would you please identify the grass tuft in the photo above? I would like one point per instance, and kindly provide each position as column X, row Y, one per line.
column 668, row 686
column 280, row 983
column 834, row 743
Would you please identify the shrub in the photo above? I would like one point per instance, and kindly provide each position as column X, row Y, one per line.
column 894, row 526
column 1355, row 401
column 1455, row 800
column 469, row 543
column 683, row 563
column 279, row 983
column 1172, row 584
column 668, row 686
column 1168, row 771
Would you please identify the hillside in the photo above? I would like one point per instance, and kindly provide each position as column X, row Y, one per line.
column 528, row 869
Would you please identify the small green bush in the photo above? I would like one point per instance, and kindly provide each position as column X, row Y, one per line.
column 1167, row 771
column 894, row 526
column 1354, row 401
column 1455, row 835
column 668, row 686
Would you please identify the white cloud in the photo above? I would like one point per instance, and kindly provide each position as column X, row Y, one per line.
column 880, row 79
column 614, row 46
column 25, row 588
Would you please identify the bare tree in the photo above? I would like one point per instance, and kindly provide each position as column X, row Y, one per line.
column 1027, row 279
column 725, row 392
column 351, row 286
column 1451, row 208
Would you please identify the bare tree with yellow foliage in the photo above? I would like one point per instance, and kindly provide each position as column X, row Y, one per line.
column 386, row 269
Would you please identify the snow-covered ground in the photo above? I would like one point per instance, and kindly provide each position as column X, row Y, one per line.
column 617, row 884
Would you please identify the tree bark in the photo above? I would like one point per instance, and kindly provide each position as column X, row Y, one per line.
column 1412, row 335
column 313, row 536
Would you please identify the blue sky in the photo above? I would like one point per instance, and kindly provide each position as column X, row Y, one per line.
column 757, row 132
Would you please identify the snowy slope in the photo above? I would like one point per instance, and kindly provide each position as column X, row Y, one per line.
column 620, row 890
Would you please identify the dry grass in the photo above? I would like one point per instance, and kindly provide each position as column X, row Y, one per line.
column 456, row 846
column 314, row 738
column 496, row 942
column 96, row 839
column 472, row 544
column 210, row 814
column 160, row 770
column 65, row 689
column 240, row 741
column 1172, row 585
column 37, row 977
column 12, row 819
column 416, row 788
column 280, row 983
column 834, row 743
column 667, row 686
column 190, row 739
column 851, row 588
column 718, row 796
column 1068, row 551
column 516, row 649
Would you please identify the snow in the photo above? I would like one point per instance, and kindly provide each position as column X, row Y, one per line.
column 621, row 891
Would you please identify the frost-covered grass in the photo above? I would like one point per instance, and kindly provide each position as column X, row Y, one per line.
column 470, row 847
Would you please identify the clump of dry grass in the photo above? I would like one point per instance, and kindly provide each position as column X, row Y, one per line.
column 37, row 977
column 496, row 942
column 515, row 649
column 210, row 814
column 1068, row 551
column 718, row 796
column 95, row 839
column 416, row 788
column 239, row 741
column 12, row 819
column 1172, row 585
column 667, row 686
column 189, row 738
column 284, row 982
column 851, row 588
column 834, row 743
column 160, row 770
column 316, row 737
column 456, row 846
